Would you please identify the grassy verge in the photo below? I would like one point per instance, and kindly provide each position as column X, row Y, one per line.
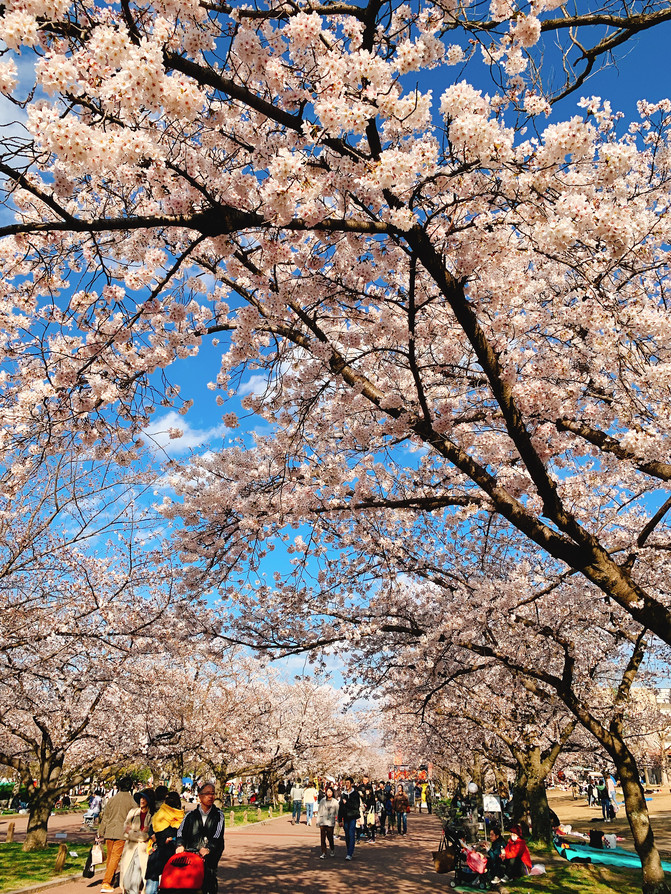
column 19, row 870
column 252, row 814
column 563, row 877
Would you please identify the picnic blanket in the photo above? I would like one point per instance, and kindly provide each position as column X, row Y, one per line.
column 610, row 856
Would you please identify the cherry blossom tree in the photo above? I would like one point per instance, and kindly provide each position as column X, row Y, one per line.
column 454, row 320
column 79, row 634
column 501, row 728
column 552, row 649
column 86, row 596
column 443, row 282
column 231, row 716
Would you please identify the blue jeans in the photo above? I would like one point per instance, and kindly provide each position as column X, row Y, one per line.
column 151, row 886
column 350, row 835
column 309, row 810
column 402, row 819
column 296, row 811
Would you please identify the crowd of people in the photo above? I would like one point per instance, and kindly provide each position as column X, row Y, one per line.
column 361, row 811
column 142, row 831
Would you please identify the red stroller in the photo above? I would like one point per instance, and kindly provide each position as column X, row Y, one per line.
column 183, row 872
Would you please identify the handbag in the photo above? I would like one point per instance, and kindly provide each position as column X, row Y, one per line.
column 370, row 818
column 97, row 856
column 443, row 859
column 88, row 871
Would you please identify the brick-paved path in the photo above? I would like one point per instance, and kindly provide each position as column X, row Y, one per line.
column 277, row 858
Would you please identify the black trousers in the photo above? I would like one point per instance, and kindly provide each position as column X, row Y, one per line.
column 210, row 883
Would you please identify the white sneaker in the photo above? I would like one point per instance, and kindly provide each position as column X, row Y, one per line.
column 348, row 857
column 333, row 853
column 322, row 856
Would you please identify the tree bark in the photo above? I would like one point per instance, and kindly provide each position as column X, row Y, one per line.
column 530, row 803
column 220, row 779
column 39, row 811
column 654, row 881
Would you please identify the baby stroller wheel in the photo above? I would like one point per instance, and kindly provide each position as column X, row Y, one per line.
column 453, row 884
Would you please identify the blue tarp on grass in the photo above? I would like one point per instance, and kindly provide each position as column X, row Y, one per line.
column 611, row 856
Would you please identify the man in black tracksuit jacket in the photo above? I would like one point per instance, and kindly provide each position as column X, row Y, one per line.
column 202, row 831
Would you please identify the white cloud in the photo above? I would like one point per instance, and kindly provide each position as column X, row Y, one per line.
column 260, row 383
column 158, row 435
column 256, row 385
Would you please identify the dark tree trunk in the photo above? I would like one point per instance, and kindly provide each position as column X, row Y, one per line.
column 539, row 811
column 220, row 780
column 530, row 803
column 654, row 881
column 39, row 811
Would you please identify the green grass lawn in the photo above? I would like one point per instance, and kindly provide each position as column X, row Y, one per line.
column 251, row 809
column 19, row 870
column 563, row 877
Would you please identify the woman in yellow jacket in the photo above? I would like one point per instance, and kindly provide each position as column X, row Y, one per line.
column 165, row 824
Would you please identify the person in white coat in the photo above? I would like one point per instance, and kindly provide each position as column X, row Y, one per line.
column 137, row 831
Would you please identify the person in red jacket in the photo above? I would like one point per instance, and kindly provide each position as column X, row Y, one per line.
column 516, row 856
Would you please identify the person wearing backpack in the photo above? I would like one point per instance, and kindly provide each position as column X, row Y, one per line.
column 165, row 825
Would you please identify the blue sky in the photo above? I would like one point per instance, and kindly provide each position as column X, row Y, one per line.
column 641, row 72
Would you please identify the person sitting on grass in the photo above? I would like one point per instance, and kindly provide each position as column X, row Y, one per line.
column 495, row 866
column 516, row 856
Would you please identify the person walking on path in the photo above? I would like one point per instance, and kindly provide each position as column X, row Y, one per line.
column 327, row 814
column 310, row 801
column 111, row 830
column 202, row 832
column 369, row 815
column 297, row 802
column 349, row 811
column 379, row 808
column 401, row 807
column 137, row 829
column 165, row 824
column 590, row 793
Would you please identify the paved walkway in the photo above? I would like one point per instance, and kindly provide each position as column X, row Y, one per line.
column 277, row 858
